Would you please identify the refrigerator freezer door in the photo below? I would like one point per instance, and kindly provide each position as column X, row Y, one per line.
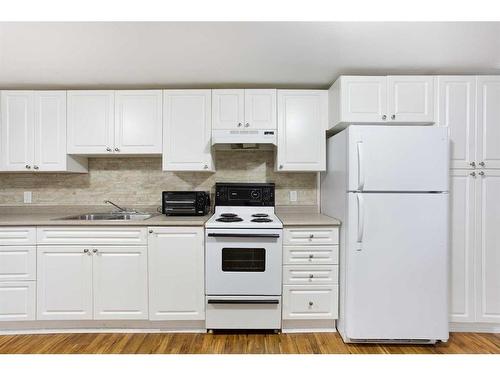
column 396, row 266
column 397, row 158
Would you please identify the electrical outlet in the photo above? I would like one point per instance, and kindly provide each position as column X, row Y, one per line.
column 293, row 196
column 27, row 197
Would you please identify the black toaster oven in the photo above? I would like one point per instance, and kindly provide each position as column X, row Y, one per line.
column 185, row 203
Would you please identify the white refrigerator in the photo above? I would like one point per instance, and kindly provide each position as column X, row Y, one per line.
column 389, row 187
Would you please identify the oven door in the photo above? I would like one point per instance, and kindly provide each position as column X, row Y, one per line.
column 243, row 261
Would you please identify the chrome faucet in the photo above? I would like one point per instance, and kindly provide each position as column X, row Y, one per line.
column 119, row 208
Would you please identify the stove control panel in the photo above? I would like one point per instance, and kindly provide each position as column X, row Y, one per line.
column 241, row 194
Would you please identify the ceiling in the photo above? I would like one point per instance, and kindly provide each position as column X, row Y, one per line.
column 237, row 54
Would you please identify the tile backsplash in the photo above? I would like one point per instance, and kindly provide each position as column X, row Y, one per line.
column 140, row 181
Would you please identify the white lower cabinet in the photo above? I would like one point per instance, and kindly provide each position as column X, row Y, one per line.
column 17, row 300
column 310, row 277
column 99, row 282
column 176, row 273
column 64, row 287
column 120, row 282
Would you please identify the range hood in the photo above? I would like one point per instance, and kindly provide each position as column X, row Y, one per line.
column 254, row 136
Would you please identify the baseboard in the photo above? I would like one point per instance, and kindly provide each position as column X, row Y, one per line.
column 305, row 325
column 92, row 326
column 475, row 327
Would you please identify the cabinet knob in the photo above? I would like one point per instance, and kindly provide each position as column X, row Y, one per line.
column 86, row 251
column 239, row 124
column 384, row 117
column 393, row 117
column 150, row 231
column 108, row 149
column 94, row 251
column 117, row 149
column 472, row 164
column 205, row 166
column 281, row 166
column 482, row 173
column 247, row 125
column 311, row 236
column 28, row 167
column 481, row 163
column 311, row 303
column 473, row 174
column 311, row 276
column 35, row 167
column 311, row 256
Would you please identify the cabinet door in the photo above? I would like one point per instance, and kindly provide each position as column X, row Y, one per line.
column 176, row 274
column 17, row 300
column 457, row 111
column 410, row 99
column 228, row 109
column 462, row 241
column 17, row 263
column 64, row 285
column 302, row 123
column 488, row 123
column 50, row 130
column 17, row 130
column 260, row 109
column 488, row 254
column 90, row 122
column 363, row 99
column 120, row 280
column 138, row 122
column 187, row 130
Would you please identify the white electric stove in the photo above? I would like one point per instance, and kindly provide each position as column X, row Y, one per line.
column 243, row 259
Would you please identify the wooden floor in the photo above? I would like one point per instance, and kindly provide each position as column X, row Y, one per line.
column 231, row 343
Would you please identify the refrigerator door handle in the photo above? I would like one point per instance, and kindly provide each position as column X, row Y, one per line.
column 361, row 171
column 361, row 220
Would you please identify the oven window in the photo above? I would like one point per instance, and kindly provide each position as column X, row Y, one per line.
column 237, row 259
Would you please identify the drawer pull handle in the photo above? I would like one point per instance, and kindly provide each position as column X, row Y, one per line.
column 311, row 303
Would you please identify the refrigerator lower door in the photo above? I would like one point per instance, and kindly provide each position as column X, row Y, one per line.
column 396, row 267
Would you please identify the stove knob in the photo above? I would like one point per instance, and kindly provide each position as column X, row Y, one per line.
column 255, row 194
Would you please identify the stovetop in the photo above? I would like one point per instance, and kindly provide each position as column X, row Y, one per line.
column 244, row 217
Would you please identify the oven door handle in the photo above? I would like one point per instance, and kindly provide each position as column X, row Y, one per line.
column 243, row 301
column 247, row 235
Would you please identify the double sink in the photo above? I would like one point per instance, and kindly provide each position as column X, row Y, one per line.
column 120, row 215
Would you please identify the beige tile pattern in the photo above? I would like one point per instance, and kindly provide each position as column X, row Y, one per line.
column 140, row 181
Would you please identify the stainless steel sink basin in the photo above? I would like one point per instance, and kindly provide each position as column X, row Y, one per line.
column 109, row 216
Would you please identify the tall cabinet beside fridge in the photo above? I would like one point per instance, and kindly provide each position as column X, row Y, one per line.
column 389, row 187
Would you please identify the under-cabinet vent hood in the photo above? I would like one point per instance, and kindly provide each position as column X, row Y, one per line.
column 220, row 136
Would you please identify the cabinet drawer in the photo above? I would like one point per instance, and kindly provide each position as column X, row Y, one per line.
column 17, row 300
column 93, row 235
column 17, row 236
column 308, row 275
column 310, row 302
column 310, row 236
column 17, row 263
column 310, row 255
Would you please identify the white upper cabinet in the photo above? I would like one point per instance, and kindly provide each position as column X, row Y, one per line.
column 138, row 122
column 456, row 106
column 187, row 130
column 90, row 122
column 245, row 109
column 302, row 123
column 488, row 121
column 410, row 99
column 381, row 99
column 17, row 136
column 176, row 273
column 260, row 109
column 34, row 133
column 114, row 122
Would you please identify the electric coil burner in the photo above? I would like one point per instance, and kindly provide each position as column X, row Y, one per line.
column 243, row 259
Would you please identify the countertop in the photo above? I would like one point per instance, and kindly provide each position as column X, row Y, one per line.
column 49, row 215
